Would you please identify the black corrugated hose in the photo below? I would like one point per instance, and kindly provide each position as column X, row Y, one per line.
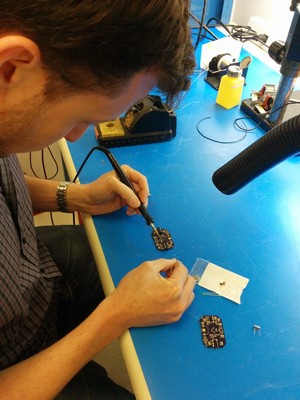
column 275, row 146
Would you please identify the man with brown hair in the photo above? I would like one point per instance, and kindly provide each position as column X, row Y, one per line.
column 63, row 66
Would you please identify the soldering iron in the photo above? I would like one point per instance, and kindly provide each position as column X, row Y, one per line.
column 124, row 179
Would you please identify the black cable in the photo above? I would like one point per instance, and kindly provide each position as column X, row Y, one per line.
column 237, row 126
column 215, row 140
column 55, row 162
column 204, row 36
column 45, row 176
column 242, row 33
column 239, row 32
column 31, row 166
column 219, row 23
column 246, row 33
column 45, row 173
column 43, row 165
column 123, row 178
column 263, row 117
column 84, row 162
column 244, row 129
column 202, row 26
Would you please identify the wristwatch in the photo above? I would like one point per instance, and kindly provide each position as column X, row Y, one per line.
column 61, row 198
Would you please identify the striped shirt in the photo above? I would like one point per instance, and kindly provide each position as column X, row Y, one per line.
column 29, row 278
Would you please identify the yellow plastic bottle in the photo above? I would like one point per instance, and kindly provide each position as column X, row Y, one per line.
column 231, row 88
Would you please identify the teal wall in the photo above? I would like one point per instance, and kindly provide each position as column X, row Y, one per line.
column 215, row 8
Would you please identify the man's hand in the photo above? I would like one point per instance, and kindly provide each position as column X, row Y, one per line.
column 157, row 292
column 108, row 194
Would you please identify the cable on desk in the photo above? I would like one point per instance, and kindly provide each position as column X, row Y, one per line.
column 263, row 117
column 245, row 128
column 218, row 141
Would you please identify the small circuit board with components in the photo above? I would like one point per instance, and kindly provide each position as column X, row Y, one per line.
column 212, row 330
column 163, row 241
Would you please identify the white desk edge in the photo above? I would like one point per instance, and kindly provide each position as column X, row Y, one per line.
column 126, row 344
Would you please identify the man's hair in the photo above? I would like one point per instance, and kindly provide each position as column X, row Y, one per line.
column 102, row 43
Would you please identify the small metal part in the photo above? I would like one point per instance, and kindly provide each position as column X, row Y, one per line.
column 256, row 328
column 259, row 109
column 162, row 239
column 154, row 229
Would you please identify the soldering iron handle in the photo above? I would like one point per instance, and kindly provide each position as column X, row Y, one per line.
column 143, row 210
column 124, row 179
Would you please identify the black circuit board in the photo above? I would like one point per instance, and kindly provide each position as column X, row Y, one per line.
column 163, row 241
column 212, row 330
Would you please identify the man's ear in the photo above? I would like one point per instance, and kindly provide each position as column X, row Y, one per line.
column 17, row 55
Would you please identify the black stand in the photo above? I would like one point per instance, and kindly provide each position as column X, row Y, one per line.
column 203, row 26
column 290, row 70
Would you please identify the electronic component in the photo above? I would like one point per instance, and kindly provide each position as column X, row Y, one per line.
column 162, row 240
column 256, row 328
column 147, row 121
column 212, row 330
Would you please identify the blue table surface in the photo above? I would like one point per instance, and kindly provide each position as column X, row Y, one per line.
column 254, row 233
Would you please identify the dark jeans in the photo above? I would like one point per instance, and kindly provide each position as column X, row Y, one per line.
column 70, row 250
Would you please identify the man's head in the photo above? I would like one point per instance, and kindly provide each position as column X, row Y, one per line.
column 92, row 44
column 65, row 64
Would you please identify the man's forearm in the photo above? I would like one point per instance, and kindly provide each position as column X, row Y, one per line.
column 42, row 193
column 44, row 375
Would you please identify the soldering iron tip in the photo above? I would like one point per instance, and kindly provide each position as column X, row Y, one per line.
column 155, row 230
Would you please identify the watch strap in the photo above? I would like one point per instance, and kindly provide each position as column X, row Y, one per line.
column 61, row 196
